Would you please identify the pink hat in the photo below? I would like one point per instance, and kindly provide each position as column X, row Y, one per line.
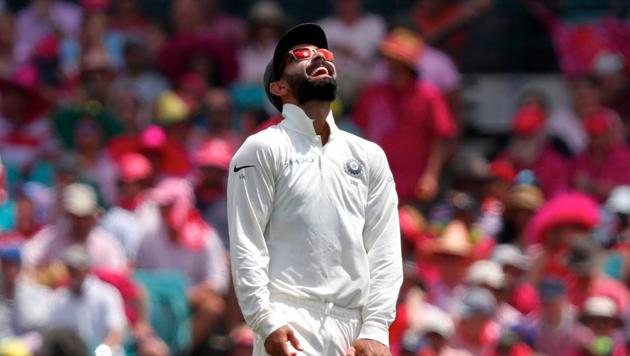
column 26, row 82
column 153, row 137
column 133, row 167
column 601, row 122
column 214, row 153
column 528, row 120
column 568, row 208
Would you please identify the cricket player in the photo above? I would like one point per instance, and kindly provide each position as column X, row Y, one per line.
column 314, row 231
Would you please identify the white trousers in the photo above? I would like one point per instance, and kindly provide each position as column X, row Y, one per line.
column 322, row 329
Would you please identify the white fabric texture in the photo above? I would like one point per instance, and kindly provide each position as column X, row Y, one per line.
column 320, row 329
column 315, row 222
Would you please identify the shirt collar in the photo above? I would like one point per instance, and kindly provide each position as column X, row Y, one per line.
column 295, row 118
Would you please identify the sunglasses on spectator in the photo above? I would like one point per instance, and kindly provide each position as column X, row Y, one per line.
column 304, row 53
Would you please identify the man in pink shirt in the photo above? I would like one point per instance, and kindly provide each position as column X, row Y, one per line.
column 408, row 118
column 530, row 149
column 76, row 226
column 586, row 280
column 606, row 162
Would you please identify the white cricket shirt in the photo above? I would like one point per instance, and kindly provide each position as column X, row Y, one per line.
column 314, row 222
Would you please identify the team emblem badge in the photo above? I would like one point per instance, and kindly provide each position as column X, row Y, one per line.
column 354, row 167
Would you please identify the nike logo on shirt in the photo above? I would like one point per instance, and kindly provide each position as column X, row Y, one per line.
column 236, row 169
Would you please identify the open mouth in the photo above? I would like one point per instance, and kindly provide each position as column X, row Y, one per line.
column 320, row 71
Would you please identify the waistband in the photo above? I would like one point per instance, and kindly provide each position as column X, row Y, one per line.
column 326, row 308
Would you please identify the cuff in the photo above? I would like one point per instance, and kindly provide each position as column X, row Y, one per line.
column 270, row 324
column 374, row 331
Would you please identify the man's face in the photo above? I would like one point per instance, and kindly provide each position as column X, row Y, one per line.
column 310, row 79
column 77, row 277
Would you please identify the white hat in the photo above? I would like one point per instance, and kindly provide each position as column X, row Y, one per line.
column 437, row 321
column 608, row 63
column 486, row 272
column 600, row 306
column 79, row 199
column 510, row 255
column 619, row 200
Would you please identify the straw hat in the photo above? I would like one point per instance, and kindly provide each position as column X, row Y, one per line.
column 454, row 241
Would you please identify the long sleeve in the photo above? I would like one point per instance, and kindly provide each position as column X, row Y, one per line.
column 381, row 236
column 250, row 201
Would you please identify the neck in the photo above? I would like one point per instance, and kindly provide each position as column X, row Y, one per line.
column 317, row 111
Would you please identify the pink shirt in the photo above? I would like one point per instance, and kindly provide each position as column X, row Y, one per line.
column 208, row 264
column 615, row 168
column 49, row 244
column 405, row 124
column 551, row 169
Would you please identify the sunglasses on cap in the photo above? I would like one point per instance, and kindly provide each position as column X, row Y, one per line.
column 304, row 53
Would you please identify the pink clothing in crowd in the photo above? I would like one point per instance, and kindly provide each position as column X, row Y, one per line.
column 49, row 244
column 405, row 124
column 206, row 265
column 613, row 169
column 551, row 169
column 31, row 26
column 602, row 285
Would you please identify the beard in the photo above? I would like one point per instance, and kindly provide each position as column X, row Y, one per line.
column 306, row 89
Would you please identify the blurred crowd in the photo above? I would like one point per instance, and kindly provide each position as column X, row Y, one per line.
column 117, row 129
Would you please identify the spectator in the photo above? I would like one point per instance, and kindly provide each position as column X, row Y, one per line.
column 408, row 118
column 130, row 110
column 167, row 158
column 451, row 254
column 193, row 49
column 529, row 149
column 137, row 74
column 87, row 306
column 586, row 279
column 77, row 225
column 41, row 18
column 95, row 37
column 602, row 317
column 522, row 203
column 174, row 113
column 606, row 162
column 519, row 293
column 24, row 311
column 475, row 331
column 7, row 43
column 127, row 219
column 267, row 22
column 562, row 219
column 212, row 161
column 228, row 28
column 96, row 78
column 89, row 135
column 25, row 134
column 610, row 68
column 554, row 326
column 566, row 124
column 127, row 18
column 354, row 36
column 489, row 275
column 219, row 119
column 182, row 241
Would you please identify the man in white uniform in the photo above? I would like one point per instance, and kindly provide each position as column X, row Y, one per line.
column 314, row 232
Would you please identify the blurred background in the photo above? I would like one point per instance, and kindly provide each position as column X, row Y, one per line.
column 506, row 124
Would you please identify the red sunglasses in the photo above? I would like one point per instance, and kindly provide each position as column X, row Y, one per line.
column 304, row 53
